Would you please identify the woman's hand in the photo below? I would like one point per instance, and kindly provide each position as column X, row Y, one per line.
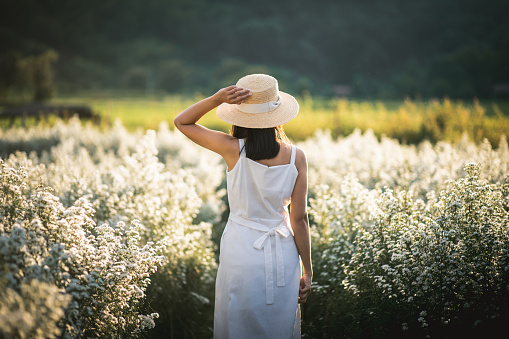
column 304, row 288
column 231, row 95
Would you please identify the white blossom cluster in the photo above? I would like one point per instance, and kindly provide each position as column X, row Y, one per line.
column 386, row 163
column 405, row 237
column 32, row 312
column 122, row 177
column 408, row 236
column 441, row 259
column 101, row 272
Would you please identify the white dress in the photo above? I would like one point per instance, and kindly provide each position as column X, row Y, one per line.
column 257, row 283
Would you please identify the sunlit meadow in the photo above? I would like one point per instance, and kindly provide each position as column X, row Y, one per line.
column 408, row 121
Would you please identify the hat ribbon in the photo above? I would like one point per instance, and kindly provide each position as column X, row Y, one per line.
column 260, row 108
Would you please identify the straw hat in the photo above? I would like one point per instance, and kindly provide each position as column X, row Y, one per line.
column 266, row 107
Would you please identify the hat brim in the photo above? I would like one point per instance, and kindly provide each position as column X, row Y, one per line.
column 285, row 112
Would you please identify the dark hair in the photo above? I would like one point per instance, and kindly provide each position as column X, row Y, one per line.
column 261, row 143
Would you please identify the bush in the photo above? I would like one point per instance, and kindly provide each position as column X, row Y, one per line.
column 123, row 178
column 34, row 312
column 102, row 270
column 33, row 74
column 438, row 266
column 43, row 75
column 406, row 240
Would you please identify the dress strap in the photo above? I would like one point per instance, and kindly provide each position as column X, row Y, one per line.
column 241, row 147
column 292, row 159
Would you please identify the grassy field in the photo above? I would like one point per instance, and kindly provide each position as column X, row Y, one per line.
column 408, row 121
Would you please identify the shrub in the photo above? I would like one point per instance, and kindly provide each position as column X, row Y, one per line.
column 437, row 267
column 384, row 218
column 122, row 177
column 101, row 270
column 34, row 312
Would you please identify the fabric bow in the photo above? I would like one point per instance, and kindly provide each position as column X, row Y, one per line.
column 263, row 242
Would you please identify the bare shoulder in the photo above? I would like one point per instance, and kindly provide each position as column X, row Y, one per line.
column 230, row 146
column 231, row 151
column 300, row 159
column 231, row 141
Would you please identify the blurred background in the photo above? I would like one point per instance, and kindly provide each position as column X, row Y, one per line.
column 362, row 49
column 411, row 70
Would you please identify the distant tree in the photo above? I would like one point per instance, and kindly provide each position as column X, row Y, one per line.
column 227, row 72
column 303, row 85
column 8, row 71
column 136, row 78
column 173, row 76
column 396, row 47
column 42, row 72
column 33, row 74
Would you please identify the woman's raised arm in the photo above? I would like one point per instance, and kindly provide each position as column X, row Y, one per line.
column 213, row 140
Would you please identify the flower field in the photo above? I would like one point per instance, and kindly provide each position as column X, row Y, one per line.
column 110, row 233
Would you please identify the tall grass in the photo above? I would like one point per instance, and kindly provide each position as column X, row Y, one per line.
column 408, row 121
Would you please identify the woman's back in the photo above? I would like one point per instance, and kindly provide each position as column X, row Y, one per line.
column 259, row 191
column 258, row 278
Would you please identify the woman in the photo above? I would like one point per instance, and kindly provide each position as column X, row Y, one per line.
column 257, row 286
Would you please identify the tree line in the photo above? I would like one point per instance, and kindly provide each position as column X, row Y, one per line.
column 368, row 49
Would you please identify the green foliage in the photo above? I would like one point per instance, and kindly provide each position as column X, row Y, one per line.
column 136, row 78
column 33, row 73
column 43, row 75
column 173, row 76
column 8, row 71
column 387, row 49
column 408, row 121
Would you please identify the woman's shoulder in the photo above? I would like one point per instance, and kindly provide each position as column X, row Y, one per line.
column 300, row 155
column 298, row 151
column 231, row 150
column 232, row 141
